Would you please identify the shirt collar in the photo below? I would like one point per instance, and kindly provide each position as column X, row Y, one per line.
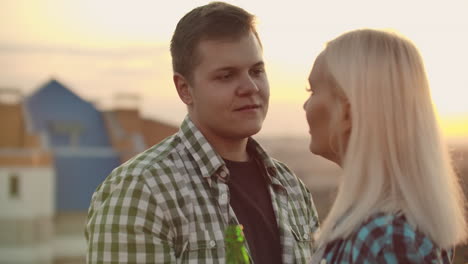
column 206, row 157
column 202, row 152
column 254, row 147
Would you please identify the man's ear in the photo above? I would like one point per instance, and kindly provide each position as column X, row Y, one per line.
column 183, row 88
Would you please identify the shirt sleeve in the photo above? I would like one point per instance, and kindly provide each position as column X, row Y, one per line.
column 411, row 249
column 312, row 211
column 126, row 225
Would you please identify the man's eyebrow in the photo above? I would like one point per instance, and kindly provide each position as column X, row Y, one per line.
column 227, row 68
column 230, row 68
column 259, row 64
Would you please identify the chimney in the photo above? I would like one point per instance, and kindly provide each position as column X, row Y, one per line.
column 11, row 96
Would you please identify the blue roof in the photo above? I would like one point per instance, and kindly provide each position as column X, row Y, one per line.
column 56, row 110
column 83, row 155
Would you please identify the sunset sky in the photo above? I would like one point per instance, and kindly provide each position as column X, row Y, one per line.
column 102, row 47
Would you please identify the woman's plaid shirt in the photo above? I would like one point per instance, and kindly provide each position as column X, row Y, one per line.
column 386, row 239
column 170, row 204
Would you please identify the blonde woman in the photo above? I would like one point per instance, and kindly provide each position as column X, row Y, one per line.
column 370, row 111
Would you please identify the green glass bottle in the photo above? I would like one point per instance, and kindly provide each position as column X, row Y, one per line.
column 234, row 239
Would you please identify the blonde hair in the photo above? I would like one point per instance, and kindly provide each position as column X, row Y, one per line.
column 396, row 160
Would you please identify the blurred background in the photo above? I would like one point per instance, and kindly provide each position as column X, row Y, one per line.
column 85, row 85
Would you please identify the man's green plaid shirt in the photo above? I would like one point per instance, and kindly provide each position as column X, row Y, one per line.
column 170, row 204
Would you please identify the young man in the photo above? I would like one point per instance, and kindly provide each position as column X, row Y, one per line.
column 173, row 202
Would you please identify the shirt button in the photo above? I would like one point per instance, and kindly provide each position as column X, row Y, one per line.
column 305, row 236
column 223, row 174
column 223, row 197
column 212, row 243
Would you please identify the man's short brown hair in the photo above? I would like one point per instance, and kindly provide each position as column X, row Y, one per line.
column 216, row 20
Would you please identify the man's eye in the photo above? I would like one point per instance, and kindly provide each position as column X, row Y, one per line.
column 257, row 72
column 224, row 77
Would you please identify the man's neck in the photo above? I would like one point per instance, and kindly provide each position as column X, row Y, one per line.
column 230, row 149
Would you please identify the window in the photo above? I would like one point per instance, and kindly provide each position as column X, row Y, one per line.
column 66, row 133
column 14, row 186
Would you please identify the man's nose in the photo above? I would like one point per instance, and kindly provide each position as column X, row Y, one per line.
column 248, row 86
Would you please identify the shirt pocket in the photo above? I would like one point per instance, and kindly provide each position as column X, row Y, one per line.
column 304, row 241
column 302, row 233
column 204, row 246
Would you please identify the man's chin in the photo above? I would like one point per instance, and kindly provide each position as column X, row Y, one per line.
column 248, row 131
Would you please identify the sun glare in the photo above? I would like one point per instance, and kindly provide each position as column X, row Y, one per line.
column 126, row 42
column 455, row 127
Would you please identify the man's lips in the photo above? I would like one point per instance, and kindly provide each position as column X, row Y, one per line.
column 247, row 107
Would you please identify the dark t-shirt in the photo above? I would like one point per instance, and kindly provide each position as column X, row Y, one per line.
column 251, row 202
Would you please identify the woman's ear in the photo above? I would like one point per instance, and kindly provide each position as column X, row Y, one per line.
column 183, row 88
column 346, row 118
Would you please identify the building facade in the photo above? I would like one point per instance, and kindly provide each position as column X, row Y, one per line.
column 55, row 149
